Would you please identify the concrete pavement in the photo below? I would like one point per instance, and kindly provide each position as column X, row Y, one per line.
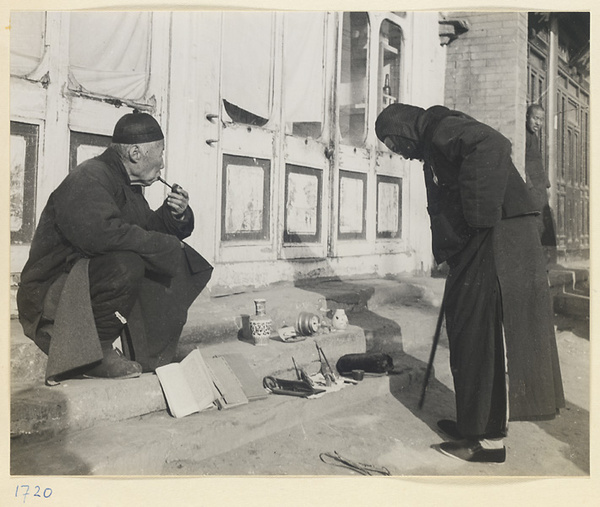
column 286, row 435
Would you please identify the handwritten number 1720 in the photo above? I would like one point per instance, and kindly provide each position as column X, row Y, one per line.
column 34, row 491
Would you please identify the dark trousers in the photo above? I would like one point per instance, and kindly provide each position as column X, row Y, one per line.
column 115, row 281
column 160, row 311
column 155, row 308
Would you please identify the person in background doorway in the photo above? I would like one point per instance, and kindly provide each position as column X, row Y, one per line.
column 103, row 265
column 496, row 300
column 537, row 180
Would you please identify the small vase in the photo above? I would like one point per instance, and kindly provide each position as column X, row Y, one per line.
column 340, row 319
column 260, row 324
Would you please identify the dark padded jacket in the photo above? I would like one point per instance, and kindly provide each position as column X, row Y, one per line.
column 95, row 210
column 469, row 174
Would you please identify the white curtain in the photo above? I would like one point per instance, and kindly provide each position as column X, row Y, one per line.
column 27, row 31
column 109, row 52
column 247, row 57
column 303, row 66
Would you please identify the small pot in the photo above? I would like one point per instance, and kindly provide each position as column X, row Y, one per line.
column 339, row 319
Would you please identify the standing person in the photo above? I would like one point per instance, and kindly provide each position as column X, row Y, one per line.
column 102, row 264
column 537, row 180
column 496, row 300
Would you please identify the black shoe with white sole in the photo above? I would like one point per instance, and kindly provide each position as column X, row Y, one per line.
column 466, row 450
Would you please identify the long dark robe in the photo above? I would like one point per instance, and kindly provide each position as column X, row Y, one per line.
column 497, row 297
column 538, row 183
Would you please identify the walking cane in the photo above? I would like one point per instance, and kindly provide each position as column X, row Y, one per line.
column 436, row 339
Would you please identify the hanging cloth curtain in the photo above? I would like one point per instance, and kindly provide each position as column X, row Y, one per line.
column 27, row 33
column 303, row 66
column 246, row 65
column 109, row 53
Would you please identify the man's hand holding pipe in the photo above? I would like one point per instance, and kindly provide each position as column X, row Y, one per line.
column 178, row 201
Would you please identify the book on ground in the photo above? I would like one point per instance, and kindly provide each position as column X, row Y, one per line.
column 187, row 385
column 196, row 383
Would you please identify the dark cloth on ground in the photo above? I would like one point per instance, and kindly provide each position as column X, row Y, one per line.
column 94, row 213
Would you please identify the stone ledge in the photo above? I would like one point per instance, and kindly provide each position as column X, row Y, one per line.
column 145, row 446
column 81, row 403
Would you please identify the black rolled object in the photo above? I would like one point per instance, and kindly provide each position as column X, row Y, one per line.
column 369, row 362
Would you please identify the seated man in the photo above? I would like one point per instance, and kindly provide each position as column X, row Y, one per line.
column 102, row 264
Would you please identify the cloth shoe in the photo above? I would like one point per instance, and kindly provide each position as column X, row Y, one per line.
column 115, row 365
column 467, row 450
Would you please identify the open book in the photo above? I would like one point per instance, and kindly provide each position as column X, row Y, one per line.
column 196, row 384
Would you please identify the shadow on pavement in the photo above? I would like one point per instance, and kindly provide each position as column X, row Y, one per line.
column 571, row 426
column 578, row 326
column 439, row 400
column 26, row 441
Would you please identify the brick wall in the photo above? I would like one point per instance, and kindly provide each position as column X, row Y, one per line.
column 486, row 73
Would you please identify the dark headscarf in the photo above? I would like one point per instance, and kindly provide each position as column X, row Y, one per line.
column 413, row 123
column 399, row 120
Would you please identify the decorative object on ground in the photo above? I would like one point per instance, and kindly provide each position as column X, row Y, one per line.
column 369, row 362
column 307, row 323
column 340, row 319
column 326, row 369
column 306, row 386
column 260, row 324
column 362, row 468
column 299, row 388
column 288, row 334
column 326, row 324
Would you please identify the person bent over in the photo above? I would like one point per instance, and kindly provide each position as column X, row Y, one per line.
column 103, row 265
column 503, row 353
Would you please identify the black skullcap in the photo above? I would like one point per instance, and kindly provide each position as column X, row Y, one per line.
column 137, row 128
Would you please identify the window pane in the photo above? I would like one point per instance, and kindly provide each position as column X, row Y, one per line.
column 109, row 53
column 85, row 146
column 353, row 197
column 389, row 207
column 303, row 187
column 23, row 170
column 246, row 66
column 17, row 181
column 352, row 91
column 303, row 73
column 390, row 40
column 27, row 31
column 246, row 189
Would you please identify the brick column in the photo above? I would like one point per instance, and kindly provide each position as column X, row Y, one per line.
column 486, row 74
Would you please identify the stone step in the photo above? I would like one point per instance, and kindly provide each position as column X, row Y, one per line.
column 150, row 445
column 215, row 325
column 75, row 404
column 221, row 319
column 570, row 278
column 572, row 305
